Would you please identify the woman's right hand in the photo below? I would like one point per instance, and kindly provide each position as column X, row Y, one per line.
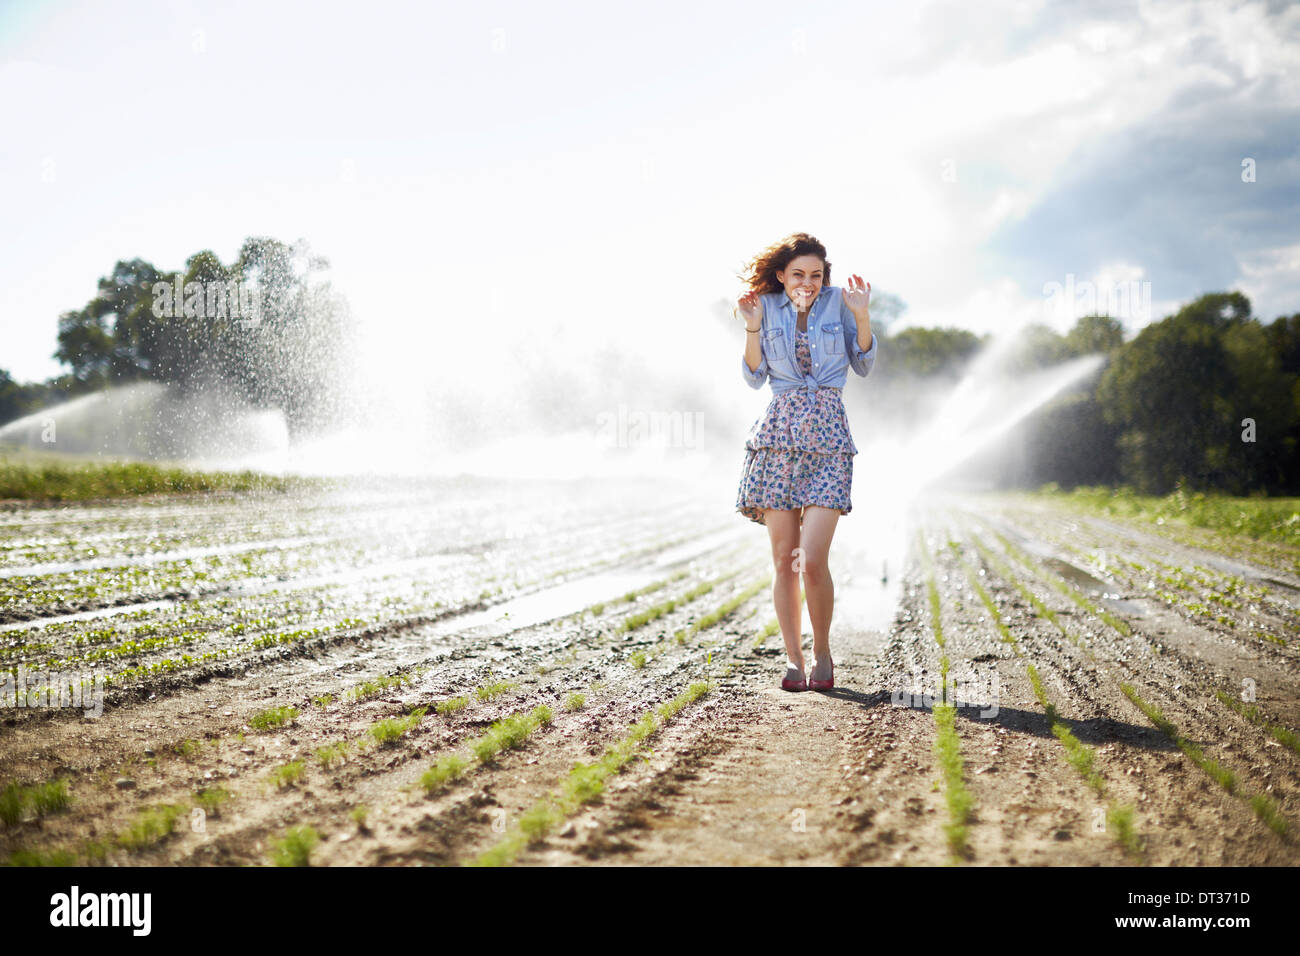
column 750, row 307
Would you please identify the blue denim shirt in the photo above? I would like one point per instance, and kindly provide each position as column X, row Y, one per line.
column 832, row 338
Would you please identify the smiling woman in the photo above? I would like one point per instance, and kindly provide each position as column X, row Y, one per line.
column 802, row 334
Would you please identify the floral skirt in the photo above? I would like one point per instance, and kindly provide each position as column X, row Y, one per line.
column 800, row 452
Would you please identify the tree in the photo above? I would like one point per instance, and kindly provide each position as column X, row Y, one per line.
column 189, row 330
column 1094, row 333
column 1180, row 389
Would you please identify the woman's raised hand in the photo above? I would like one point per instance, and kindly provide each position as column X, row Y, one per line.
column 857, row 295
column 750, row 307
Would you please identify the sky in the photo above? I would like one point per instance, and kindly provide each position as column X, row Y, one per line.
column 601, row 171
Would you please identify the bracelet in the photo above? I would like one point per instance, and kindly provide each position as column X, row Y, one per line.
column 759, row 329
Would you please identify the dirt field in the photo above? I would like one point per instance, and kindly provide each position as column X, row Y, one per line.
column 208, row 612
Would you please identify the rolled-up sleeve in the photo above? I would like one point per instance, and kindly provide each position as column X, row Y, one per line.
column 860, row 360
column 758, row 377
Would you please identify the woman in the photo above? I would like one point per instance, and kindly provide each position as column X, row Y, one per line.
column 804, row 334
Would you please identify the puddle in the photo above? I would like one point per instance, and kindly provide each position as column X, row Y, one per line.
column 543, row 606
column 1094, row 587
column 86, row 615
column 1125, row 607
column 1251, row 574
column 698, row 546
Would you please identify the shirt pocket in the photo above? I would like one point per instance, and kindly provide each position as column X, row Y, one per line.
column 833, row 338
column 774, row 344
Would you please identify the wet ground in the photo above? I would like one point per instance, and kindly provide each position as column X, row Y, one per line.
column 1167, row 656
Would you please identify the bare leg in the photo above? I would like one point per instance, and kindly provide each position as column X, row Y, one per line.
column 815, row 542
column 783, row 529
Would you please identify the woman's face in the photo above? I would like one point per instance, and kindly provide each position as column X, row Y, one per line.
column 802, row 279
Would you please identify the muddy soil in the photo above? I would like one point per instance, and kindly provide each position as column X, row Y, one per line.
column 544, row 605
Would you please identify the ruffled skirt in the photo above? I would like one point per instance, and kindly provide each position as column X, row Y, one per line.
column 799, row 452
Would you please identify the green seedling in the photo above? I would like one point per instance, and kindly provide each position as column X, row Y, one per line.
column 448, row 767
column 389, row 731
column 150, row 827
column 332, row 753
column 296, row 847
column 288, row 774
column 494, row 690
column 273, row 718
column 210, row 799
column 187, row 749
column 585, row 781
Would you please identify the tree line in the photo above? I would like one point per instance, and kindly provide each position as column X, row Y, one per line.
column 265, row 328
column 1205, row 399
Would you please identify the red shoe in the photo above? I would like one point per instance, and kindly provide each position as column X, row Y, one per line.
column 823, row 684
column 788, row 684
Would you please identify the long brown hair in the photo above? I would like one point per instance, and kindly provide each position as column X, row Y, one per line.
column 760, row 272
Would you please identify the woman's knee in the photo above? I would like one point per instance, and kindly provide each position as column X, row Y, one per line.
column 783, row 527
column 785, row 560
column 816, row 567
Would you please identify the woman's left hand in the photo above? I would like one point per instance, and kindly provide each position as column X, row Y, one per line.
column 857, row 295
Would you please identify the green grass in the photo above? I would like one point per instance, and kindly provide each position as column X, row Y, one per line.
column 585, row 781
column 12, row 801
column 1065, row 587
column 947, row 750
column 574, row 701
column 505, row 734
column 390, row 730
column 187, row 749
column 42, row 799
column 1263, row 806
column 947, row 745
column 448, row 767
column 494, row 690
column 1119, row 819
column 150, row 827
column 379, row 685
column 31, row 857
column 1283, row 735
column 722, row 610
column 51, row 797
column 273, row 718
column 1265, row 519
column 331, row 754
column 48, row 476
column 289, row 773
column 295, row 848
column 210, row 799
column 641, row 619
column 973, row 577
column 445, row 707
column 509, row 732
